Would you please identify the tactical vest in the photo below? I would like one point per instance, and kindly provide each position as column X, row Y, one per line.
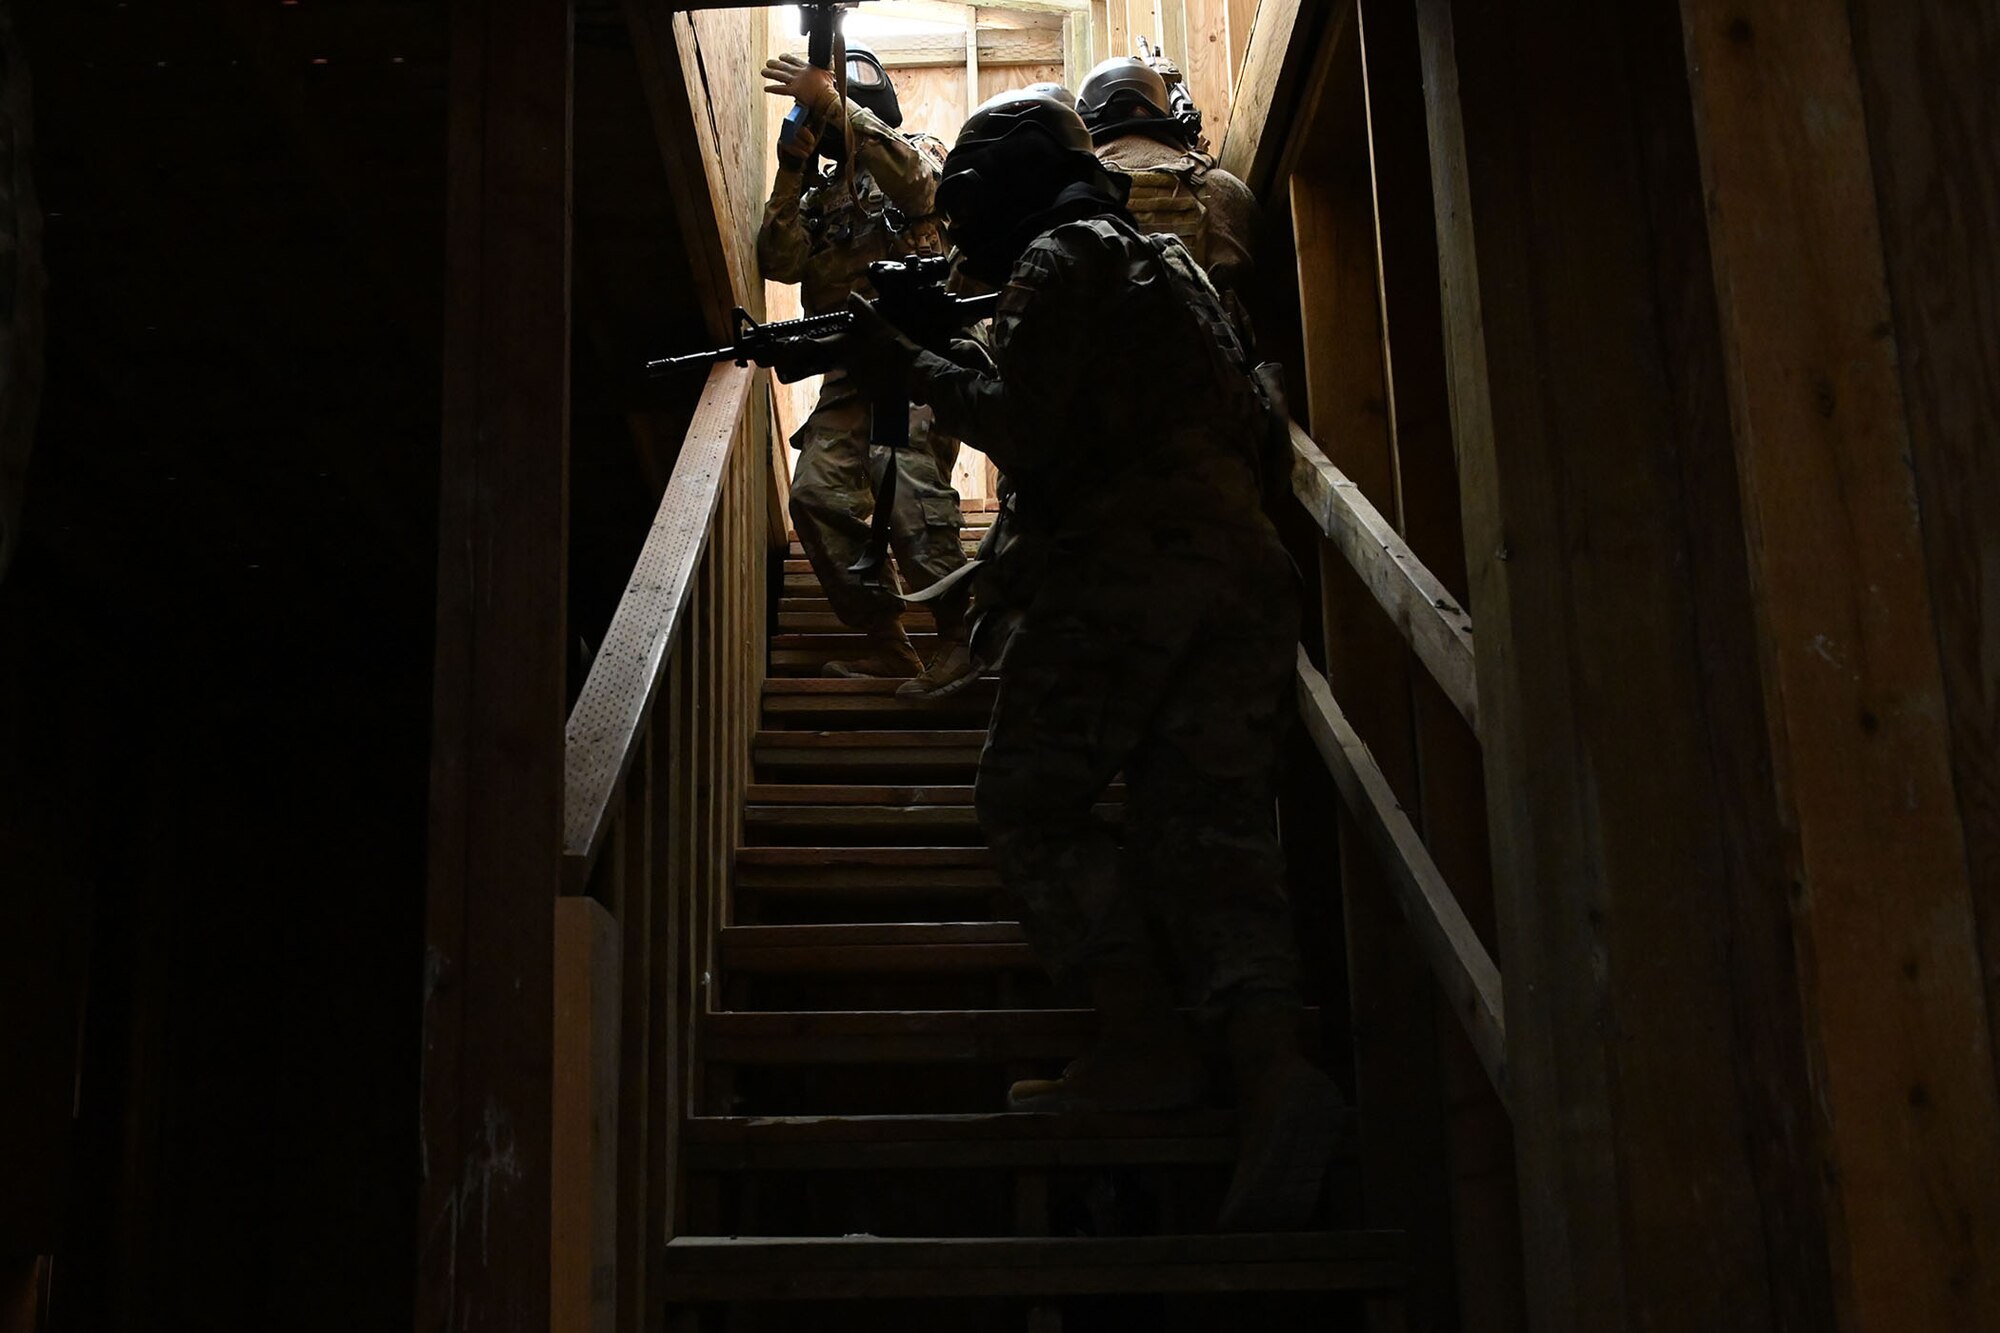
column 1260, row 387
column 1167, row 199
column 851, row 229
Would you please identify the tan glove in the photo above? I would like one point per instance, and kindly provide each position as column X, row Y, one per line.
column 791, row 76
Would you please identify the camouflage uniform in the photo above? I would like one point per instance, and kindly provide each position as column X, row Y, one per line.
column 1176, row 192
column 824, row 236
column 1181, row 192
column 1161, row 637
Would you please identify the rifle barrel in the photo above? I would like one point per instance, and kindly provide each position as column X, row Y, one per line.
column 668, row 364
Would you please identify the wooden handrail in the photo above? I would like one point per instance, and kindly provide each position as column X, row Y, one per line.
column 1460, row 962
column 608, row 723
column 1430, row 619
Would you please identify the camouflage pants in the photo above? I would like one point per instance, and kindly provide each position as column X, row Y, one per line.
column 1176, row 668
column 833, row 498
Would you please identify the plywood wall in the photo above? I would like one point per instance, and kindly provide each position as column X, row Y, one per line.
column 933, row 99
column 999, row 78
column 731, row 44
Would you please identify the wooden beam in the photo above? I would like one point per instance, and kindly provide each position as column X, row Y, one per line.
column 970, row 45
column 1100, row 33
column 1461, row 964
column 1430, row 619
column 1398, row 1078
column 1171, row 30
column 1926, row 79
column 584, row 1131
column 1207, row 67
column 1450, row 809
column 1656, row 1115
column 1241, row 16
column 496, row 786
column 1284, row 46
column 1076, row 59
column 1886, row 925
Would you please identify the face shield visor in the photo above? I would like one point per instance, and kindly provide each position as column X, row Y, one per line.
column 869, row 85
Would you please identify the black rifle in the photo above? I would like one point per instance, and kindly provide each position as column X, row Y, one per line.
column 912, row 296
column 819, row 24
column 1179, row 100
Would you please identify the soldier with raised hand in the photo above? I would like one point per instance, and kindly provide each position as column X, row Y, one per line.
column 1158, row 641
column 1176, row 186
column 822, row 227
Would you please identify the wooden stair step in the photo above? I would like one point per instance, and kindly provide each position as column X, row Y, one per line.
column 877, row 948
column 826, row 702
column 730, row 1268
column 834, row 793
column 799, row 655
column 884, row 825
column 912, row 818
column 831, row 869
column 898, row 1036
column 968, row 538
column 925, row 750
column 838, row 793
column 824, row 621
column 971, row 1142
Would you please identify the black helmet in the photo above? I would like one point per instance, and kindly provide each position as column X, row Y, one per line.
column 1056, row 90
column 1014, row 156
column 870, row 86
column 1115, row 91
column 1022, row 110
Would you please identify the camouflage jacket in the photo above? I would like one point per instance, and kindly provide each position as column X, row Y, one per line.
column 1119, row 395
column 820, row 234
column 1180, row 192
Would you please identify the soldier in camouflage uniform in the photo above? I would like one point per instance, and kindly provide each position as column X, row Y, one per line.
column 1159, row 641
column 821, row 229
column 1176, row 187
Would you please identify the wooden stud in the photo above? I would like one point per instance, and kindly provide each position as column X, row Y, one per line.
column 1118, row 28
column 1209, row 66
column 1393, row 996
column 640, row 892
column 495, row 839
column 1451, row 804
column 1926, row 80
column 585, row 1128
column 1886, row 925
column 1241, row 16
column 1643, row 1008
column 1170, row 30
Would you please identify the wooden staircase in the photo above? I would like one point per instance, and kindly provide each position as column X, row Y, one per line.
column 865, row 1001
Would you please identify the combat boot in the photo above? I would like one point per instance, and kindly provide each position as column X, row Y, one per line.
column 1287, row 1113
column 1142, row 1060
column 887, row 653
column 951, row 670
